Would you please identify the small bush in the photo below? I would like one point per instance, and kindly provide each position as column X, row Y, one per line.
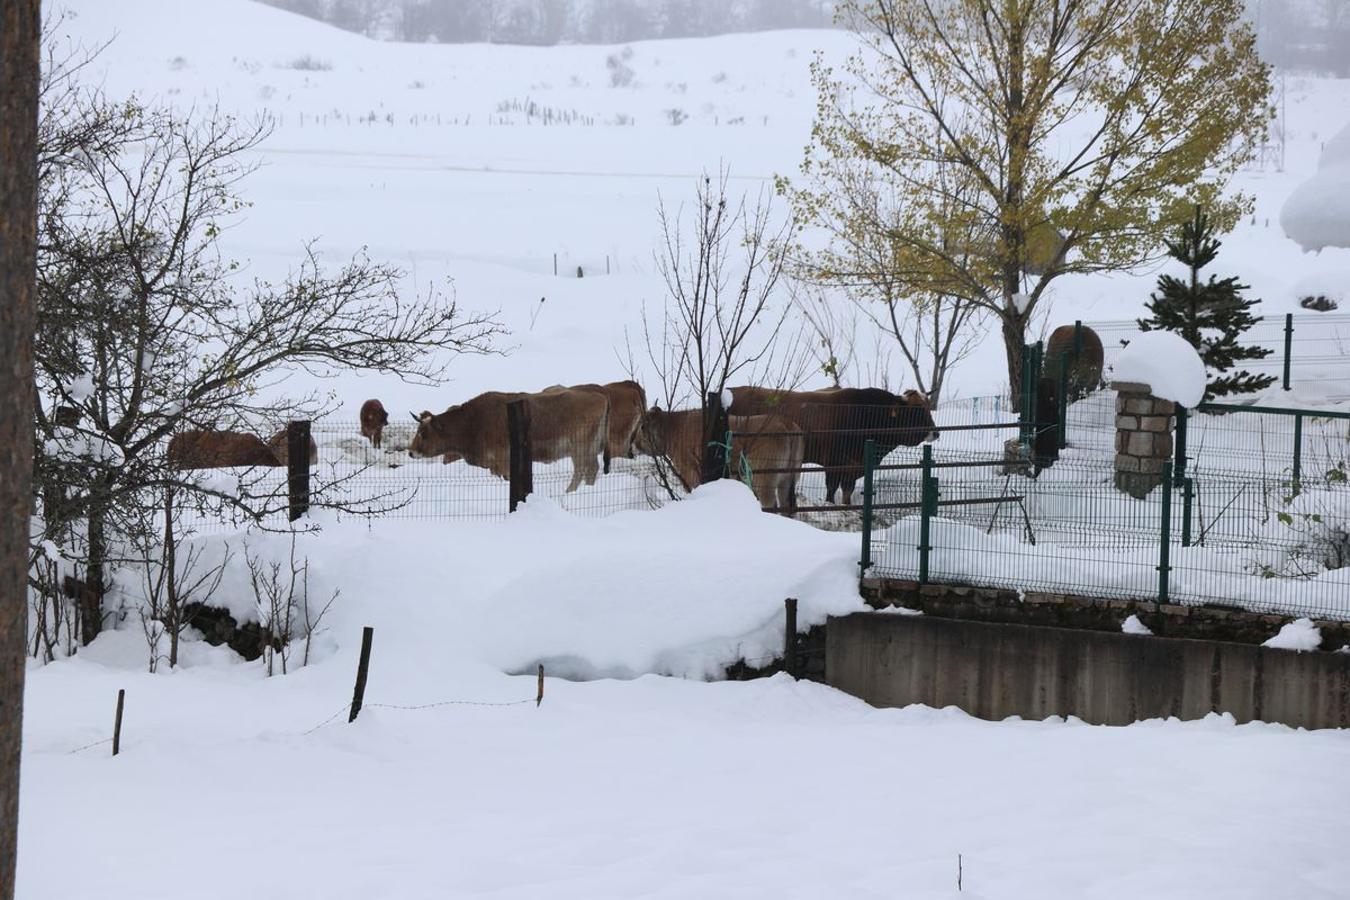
column 676, row 116
column 178, row 64
column 308, row 63
column 620, row 73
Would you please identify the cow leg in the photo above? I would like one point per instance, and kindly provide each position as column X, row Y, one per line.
column 831, row 483
column 607, row 458
column 847, row 483
column 576, row 476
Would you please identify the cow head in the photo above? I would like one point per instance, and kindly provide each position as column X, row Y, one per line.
column 427, row 442
column 650, row 435
column 917, row 411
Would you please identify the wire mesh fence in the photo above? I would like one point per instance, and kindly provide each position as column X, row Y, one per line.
column 1308, row 351
column 353, row 480
column 1240, row 538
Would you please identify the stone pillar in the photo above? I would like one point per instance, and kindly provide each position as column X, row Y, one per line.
column 1144, row 426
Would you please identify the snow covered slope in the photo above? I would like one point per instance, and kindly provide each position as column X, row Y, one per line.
column 427, row 154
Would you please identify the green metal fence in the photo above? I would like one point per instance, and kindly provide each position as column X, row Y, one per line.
column 1238, row 539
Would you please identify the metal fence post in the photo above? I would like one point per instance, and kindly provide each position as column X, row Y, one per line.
column 1165, row 535
column 927, row 507
column 297, row 468
column 1298, row 451
column 1063, row 399
column 869, row 461
column 1288, row 345
column 520, row 465
column 1179, row 466
column 715, row 427
column 1187, row 497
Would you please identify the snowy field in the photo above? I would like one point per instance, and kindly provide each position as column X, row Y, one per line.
column 637, row 778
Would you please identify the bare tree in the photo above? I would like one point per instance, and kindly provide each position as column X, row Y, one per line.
column 284, row 606
column 20, row 42
column 145, row 330
column 722, row 316
column 172, row 582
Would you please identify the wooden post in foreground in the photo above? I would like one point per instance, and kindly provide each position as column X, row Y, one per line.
column 790, row 636
column 521, row 463
column 297, row 467
column 362, row 670
column 117, row 722
column 540, row 698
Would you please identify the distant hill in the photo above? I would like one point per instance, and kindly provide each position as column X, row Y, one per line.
column 547, row 22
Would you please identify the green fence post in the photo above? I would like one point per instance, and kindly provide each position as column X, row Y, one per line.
column 1077, row 339
column 1165, row 534
column 1179, row 445
column 1288, row 345
column 869, row 461
column 1298, row 451
column 1063, row 400
column 927, row 506
column 1187, row 497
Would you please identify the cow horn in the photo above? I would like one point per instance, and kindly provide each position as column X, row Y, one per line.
column 416, row 417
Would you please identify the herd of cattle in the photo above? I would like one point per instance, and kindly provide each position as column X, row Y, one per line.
column 774, row 432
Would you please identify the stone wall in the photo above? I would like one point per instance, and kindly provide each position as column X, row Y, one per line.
column 998, row 670
column 1144, row 426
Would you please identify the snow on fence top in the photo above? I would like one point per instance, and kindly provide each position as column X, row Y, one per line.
column 1165, row 362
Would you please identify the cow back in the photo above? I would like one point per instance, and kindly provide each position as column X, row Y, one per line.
column 218, row 449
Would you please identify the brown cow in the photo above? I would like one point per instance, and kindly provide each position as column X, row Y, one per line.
column 627, row 404
column 838, row 422
column 282, row 448
column 564, row 424
column 218, row 450
column 1085, row 372
column 758, row 443
column 373, row 419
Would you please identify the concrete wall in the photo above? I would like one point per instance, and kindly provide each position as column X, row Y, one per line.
column 998, row 670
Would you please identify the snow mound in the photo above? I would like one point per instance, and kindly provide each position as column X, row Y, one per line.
column 1132, row 625
column 1300, row 635
column 1317, row 213
column 1165, row 362
column 685, row 590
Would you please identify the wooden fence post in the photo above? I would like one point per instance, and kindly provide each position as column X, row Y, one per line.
column 521, row 463
column 117, row 722
column 297, row 467
column 362, row 670
column 539, row 698
column 790, row 636
column 715, row 427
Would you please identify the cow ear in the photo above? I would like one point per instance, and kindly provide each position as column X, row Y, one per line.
column 425, row 417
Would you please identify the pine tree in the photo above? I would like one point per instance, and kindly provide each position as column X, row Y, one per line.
column 1210, row 315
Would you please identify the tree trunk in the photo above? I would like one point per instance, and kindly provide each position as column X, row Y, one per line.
column 1014, row 339
column 95, row 576
column 20, row 39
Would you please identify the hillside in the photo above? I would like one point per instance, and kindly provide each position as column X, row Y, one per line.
column 426, row 155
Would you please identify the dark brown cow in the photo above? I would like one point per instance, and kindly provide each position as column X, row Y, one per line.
column 627, row 404
column 218, row 450
column 373, row 419
column 1085, row 372
column 837, row 423
column 564, row 424
column 758, row 443
column 282, row 448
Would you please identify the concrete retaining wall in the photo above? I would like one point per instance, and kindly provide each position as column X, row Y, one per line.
column 998, row 670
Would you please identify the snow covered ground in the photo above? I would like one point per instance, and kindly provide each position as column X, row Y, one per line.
column 627, row 784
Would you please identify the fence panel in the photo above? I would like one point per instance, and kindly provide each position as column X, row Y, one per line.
column 1235, row 538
